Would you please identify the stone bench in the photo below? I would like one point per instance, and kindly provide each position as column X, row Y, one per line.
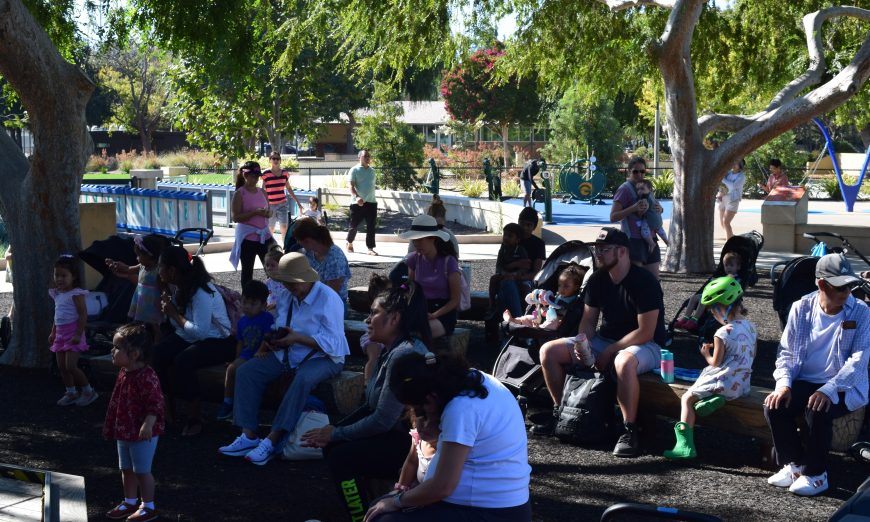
column 355, row 329
column 744, row 416
column 342, row 394
column 358, row 299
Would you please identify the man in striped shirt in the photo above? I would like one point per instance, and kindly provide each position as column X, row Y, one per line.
column 275, row 180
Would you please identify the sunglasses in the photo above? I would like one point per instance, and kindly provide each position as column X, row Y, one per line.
column 638, row 171
column 600, row 251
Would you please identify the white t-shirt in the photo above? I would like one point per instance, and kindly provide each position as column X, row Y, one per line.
column 821, row 362
column 496, row 472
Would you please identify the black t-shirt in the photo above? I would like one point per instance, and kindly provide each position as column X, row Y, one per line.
column 530, row 170
column 535, row 247
column 620, row 304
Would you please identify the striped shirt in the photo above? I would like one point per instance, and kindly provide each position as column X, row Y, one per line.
column 851, row 345
column 274, row 186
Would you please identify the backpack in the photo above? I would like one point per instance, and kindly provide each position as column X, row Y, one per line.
column 586, row 411
column 233, row 303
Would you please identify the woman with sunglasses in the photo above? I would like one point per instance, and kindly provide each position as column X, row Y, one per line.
column 251, row 214
column 626, row 203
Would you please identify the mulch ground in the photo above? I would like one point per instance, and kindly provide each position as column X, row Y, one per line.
column 568, row 482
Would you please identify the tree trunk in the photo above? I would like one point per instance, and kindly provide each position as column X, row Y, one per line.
column 39, row 199
column 691, row 230
column 145, row 138
column 865, row 136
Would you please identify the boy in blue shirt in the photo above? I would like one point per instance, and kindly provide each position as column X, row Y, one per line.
column 250, row 332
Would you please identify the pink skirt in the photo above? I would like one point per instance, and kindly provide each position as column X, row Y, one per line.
column 63, row 334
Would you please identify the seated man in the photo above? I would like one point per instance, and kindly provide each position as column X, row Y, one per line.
column 629, row 301
column 821, row 374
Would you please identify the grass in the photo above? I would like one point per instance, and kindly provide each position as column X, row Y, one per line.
column 472, row 188
column 97, row 176
column 210, row 179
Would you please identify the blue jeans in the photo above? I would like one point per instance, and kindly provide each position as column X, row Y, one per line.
column 511, row 293
column 253, row 377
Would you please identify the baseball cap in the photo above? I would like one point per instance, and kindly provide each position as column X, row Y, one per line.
column 612, row 236
column 836, row 270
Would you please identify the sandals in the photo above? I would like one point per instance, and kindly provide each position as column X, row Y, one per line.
column 350, row 247
column 192, row 428
column 372, row 253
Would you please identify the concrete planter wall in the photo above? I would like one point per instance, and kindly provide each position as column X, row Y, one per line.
column 174, row 171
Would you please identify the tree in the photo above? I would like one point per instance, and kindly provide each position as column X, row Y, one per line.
column 617, row 44
column 584, row 123
column 472, row 92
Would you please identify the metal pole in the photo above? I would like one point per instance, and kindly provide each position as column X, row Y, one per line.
column 548, row 193
column 656, row 141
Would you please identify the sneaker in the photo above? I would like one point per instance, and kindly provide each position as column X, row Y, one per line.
column 240, row 447
column 810, row 486
column 86, row 398
column 68, row 398
column 548, row 427
column 262, row 454
column 628, row 445
column 143, row 514
column 121, row 511
column 225, row 412
column 785, row 477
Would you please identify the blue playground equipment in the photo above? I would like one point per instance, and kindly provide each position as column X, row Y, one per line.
column 581, row 179
column 850, row 192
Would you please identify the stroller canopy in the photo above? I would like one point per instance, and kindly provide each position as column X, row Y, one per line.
column 747, row 246
column 114, row 247
column 576, row 252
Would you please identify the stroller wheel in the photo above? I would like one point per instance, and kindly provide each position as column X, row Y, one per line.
column 524, row 404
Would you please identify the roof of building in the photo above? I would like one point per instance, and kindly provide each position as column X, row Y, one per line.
column 418, row 113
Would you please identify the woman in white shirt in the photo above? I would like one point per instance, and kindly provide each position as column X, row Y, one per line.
column 202, row 331
column 730, row 194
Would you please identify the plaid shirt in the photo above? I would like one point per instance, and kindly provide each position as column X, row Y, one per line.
column 851, row 345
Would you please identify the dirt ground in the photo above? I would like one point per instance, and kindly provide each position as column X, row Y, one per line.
column 567, row 483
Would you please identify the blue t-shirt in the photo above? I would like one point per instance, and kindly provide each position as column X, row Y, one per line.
column 251, row 330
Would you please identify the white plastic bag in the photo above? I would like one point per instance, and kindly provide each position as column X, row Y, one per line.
column 96, row 302
column 294, row 450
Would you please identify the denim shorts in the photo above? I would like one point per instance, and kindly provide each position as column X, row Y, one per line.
column 137, row 455
column 648, row 355
column 527, row 186
column 279, row 213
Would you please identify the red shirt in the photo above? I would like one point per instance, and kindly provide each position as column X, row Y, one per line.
column 136, row 395
column 274, row 185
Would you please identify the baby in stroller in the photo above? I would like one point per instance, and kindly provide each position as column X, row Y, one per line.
column 732, row 263
column 550, row 309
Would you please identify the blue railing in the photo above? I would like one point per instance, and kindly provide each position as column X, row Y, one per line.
column 152, row 211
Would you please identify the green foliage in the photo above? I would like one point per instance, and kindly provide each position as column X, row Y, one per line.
column 511, row 188
column 663, row 184
column 396, row 148
column 472, row 187
column 337, row 181
column 832, row 187
column 782, row 147
column 583, row 123
column 210, row 179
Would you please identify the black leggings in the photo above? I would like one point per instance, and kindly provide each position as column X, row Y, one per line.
column 185, row 358
column 379, row 457
column 250, row 250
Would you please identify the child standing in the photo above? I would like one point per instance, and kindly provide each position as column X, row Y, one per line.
column 649, row 223
column 135, row 420
column 314, row 211
column 729, row 364
column 512, row 259
column 278, row 302
column 251, row 330
column 570, row 281
column 67, row 338
column 731, row 264
column 145, row 306
column 424, row 442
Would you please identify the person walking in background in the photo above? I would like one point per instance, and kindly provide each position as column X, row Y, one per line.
column 363, row 204
column 275, row 181
column 777, row 178
column 729, row 196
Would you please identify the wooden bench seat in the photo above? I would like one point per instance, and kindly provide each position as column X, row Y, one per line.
column 355, row 329
column 358, row 299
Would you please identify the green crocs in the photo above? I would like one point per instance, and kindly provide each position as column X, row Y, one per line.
column 684, row 449
column 707, row 406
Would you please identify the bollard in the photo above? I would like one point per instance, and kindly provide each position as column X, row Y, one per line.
column 487, row 172
column 433, row 173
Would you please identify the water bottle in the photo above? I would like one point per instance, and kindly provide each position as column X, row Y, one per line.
column 583, row 350
column 667, row 366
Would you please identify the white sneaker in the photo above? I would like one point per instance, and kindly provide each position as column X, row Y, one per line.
column 785, row 477
column 240, row 447
column 68, row 398
column 262, row 454
column 809, row 486
column 86, row 398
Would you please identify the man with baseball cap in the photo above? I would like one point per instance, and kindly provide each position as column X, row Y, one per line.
column 629, row 301
column 821, row 374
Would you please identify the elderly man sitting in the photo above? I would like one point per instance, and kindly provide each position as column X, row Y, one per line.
column 821, row 374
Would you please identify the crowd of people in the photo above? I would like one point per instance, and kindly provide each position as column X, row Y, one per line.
column 466, row 456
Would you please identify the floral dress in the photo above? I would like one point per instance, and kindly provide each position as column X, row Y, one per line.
column 731, row 378
column 145, row 305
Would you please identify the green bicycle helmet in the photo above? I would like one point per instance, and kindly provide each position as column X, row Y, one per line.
column 722, row 290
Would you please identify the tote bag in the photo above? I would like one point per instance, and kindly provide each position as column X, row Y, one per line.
column 309, row 420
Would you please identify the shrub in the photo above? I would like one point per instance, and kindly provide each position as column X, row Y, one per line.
column 511, row 189
column 96, row 164
column 663, row 184
column 472, row 187
column 337, row 181
column 832, row 187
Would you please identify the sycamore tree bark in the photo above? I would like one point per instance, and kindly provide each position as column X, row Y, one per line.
column 697, row 170
column 39, row 196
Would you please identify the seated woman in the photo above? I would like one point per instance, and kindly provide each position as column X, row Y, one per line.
column 202, row 332
column 325, row 258
column 433, row 266
column 480, row 470
column 313, row 344
column 373, row 441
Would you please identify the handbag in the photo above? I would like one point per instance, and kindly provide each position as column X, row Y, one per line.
column 293, row 449
column 464, row 288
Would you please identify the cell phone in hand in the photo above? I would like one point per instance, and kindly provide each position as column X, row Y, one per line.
column 274, row 335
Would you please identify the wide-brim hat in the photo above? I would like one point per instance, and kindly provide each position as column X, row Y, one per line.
column 424, row 226
column 294, row 268
column 836, row 270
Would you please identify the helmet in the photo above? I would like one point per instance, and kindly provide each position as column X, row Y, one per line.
column 722, row 290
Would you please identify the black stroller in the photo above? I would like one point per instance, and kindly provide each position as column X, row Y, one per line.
column 518, row 365
column 794, row 279
column 747, row 246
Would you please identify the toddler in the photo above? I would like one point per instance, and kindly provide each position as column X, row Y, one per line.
column 512, row 259
column 729, row 364
column 251, row 330
column 278, row 302
column 145, row 306
column 424, row 442
column 731, row 264
column 378, row 284
column 314, row 211
column 67, row 338
column 570, row 282
column 135, row 420
column 649, row 222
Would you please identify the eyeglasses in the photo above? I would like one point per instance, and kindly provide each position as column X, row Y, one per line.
column 600, row 251
column 638, row 171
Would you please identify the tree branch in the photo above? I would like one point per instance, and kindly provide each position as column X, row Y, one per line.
column 621, row 5
column 725, row 122
column 813, row 75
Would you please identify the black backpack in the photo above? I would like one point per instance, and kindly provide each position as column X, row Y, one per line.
column 586, row 411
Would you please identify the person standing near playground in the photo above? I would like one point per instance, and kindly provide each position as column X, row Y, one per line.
column 821, row 374
column 251, row 214
column 527, row 177
column 627, row 204
column 777, row 178
column 275, row 181
column 729, row 196
column 363, row 205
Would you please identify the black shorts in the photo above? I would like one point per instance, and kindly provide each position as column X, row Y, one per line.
column 638, row 252
column 448, row 320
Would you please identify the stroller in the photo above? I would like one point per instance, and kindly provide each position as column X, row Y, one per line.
column 794, row 279
column 518, row 365
column 747, row 246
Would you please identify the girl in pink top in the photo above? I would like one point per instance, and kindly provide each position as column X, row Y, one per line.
column 251, row 209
